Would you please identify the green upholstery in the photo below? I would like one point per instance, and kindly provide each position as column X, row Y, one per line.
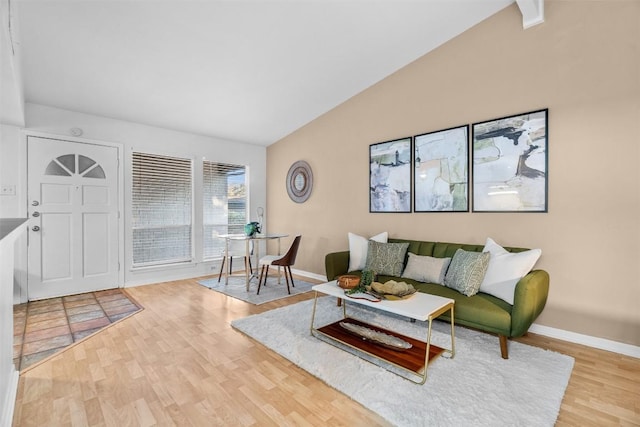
column 481, row 311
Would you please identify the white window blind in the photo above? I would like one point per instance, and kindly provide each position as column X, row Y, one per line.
column 161, row 205
column 224, row 204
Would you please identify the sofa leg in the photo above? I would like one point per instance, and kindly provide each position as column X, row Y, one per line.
column 504, row 350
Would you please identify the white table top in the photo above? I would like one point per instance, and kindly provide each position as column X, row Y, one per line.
column 419, row 306
column 254, row 237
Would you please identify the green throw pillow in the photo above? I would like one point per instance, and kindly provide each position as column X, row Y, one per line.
column 466, row 271
column 386, row 259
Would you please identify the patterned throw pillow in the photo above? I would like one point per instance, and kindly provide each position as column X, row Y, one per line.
column 358, row 246
column 426, row 268
column 386, row 259
column 466, row 271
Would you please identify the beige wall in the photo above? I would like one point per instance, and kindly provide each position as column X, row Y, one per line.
column 583, row 64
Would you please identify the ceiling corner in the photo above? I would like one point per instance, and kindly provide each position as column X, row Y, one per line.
column 532, row 12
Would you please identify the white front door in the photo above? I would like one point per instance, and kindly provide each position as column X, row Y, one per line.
column 73, row 224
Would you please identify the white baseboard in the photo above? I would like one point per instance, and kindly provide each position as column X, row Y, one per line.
column 10, row 400
column 309, row 275
column 589, row 341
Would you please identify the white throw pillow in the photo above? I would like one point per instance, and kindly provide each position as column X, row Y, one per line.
column 426, row 269
column 506, row 269
column 358, row 248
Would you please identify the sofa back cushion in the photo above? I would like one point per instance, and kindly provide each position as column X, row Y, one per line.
column 416, row 246
column 448, row 250
column 444, row 249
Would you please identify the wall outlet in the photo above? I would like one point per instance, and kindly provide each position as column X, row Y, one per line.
column 8, row 190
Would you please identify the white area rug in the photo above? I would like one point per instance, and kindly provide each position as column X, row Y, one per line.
column 237, row 288
column 476, row 388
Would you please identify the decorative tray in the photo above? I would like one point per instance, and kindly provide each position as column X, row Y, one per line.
column 377, row 337
column 391, row 290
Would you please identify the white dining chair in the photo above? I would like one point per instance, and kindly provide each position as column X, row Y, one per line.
column 236, row 250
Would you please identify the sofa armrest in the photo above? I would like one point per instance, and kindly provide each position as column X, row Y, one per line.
column 336, row 264
column 529, row 301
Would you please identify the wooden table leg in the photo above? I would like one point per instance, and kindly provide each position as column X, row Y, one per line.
column 226, row 254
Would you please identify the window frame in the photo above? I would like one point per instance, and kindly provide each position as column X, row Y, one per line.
column 211, row 257
column 191, row 259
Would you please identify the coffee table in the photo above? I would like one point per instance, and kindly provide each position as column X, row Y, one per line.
column 419, row 306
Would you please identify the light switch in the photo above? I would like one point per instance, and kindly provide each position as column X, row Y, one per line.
column 8, row 190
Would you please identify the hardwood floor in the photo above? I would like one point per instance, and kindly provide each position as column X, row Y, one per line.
column 179, row 362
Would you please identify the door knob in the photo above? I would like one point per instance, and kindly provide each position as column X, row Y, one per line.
column 35, row 228
column 36, row 214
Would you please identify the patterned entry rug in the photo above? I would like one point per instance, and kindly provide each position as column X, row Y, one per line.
column 45, row 327
column 271, row 292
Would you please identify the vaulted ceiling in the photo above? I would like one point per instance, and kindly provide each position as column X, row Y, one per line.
column 247, row 70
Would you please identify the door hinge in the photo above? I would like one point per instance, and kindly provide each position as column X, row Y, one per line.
column 118, row 265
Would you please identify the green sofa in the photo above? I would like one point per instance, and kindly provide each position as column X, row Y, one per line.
column 481, row 311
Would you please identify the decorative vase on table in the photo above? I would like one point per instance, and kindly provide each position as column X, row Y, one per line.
column 252, row 228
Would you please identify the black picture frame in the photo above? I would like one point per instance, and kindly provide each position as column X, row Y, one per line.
column 390, row 176
column 441, row 170
column 510, row 163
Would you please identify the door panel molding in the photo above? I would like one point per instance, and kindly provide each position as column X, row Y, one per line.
column 87, row 193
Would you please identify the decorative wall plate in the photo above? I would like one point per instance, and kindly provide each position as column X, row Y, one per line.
column 299, row 181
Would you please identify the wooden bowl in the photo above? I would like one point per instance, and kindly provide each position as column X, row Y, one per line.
column 348, row 281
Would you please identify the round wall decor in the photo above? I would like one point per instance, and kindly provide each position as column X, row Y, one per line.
column 299, row 181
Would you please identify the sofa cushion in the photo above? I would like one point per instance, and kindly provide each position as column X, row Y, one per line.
column 466, row 271
column 358, row 247
column 444, row 250
column 481, row 311
column 416, row 246
column 426, row 268
column 506, row 269
column 386, row 258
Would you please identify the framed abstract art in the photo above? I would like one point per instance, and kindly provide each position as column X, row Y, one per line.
column 441, row 171
column 510, row 163
column 390, row 176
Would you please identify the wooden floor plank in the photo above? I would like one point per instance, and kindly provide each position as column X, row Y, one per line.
column 179, row 362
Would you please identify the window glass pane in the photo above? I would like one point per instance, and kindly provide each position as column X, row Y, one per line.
column 96, row 172
column 68, row 161
column 84, row 163
column 54, row 168
column 161, row 209
column 224, row 204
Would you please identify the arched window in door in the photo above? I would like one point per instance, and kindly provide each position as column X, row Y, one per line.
column 75, row 164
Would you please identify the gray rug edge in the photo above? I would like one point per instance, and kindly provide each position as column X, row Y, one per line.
column 295, row 290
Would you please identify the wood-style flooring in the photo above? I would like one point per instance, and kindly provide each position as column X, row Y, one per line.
column 179, row 362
